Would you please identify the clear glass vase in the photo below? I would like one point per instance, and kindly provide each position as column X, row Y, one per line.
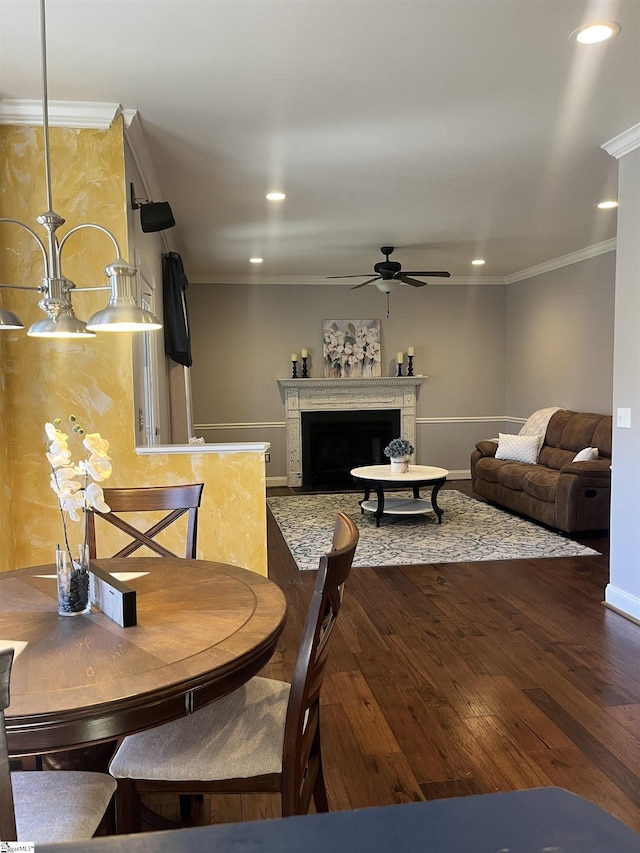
column 73, row 582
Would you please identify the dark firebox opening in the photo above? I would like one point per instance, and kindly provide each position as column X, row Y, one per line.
column 335, row 442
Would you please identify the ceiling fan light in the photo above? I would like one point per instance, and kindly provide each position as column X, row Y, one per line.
column 386, row 286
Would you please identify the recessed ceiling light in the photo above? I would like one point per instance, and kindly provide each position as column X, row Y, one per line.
column 276, row 196
column 478, row 262
column 607, row 205
column 594, row 33
column 256, row 260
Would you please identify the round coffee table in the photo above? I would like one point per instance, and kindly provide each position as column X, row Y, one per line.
column 379, row 478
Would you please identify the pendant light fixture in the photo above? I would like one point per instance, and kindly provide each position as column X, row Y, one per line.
column 122, row 313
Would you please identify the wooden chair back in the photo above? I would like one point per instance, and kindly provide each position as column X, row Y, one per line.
column 301, row 760
column 178, row 499
column 7, row 811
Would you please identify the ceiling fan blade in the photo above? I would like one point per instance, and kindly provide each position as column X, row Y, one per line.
column 348, row 276
column 356, row 286
column 432, row 273
column 412, row 281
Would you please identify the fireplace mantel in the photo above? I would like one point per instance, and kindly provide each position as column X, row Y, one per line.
column 313, row 395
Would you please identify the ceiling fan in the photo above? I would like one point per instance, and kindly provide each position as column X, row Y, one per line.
column 389, row 274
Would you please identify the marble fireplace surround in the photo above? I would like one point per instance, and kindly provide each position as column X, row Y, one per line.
column 344, row 395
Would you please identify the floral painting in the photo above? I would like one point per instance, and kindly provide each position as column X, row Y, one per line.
column 351, row 348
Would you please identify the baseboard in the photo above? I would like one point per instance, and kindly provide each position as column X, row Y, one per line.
column 276, row 481
column 463, row 474
column 622, row 602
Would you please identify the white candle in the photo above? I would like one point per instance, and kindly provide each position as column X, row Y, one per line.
column 305, row 353
column 410, row 351
column 294, row 356
column 400, row 357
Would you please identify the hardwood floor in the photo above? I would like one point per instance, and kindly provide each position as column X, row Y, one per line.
column 454, row 679
column 467, row 678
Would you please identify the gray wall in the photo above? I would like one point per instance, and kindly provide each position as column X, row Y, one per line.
column 484, row 348
column 243, row 336
column 560, row 339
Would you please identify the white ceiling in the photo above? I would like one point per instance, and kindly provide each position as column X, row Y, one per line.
column 451, row 129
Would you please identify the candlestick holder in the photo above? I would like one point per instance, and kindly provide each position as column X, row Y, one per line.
column 410, row 365
column 399, row 373
column 305, row 375
column 294, row 369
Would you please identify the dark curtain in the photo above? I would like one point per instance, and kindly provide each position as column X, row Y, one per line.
column 177, row 338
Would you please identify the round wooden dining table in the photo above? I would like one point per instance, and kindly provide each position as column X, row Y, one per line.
column 203, row 629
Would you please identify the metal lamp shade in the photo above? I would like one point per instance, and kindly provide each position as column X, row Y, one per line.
column 9, row 320
column 122, row 314
column 64, row 326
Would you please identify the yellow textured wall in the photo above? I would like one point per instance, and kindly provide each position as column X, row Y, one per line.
column 43, row 379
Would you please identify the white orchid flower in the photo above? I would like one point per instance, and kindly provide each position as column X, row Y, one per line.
column 94, row 497
column 56, row 445
column 54, row 434
column 65, row 482
column 58, row 457
column 72, row 483
column 73, row 504
column 97, row 467
column 96, row 445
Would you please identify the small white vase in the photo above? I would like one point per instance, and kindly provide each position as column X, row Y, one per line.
column 400, row 465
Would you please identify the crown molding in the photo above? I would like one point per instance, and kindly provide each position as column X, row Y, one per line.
column 564, row 261
column 624, row 142
column 89, row 114
column 306, row 280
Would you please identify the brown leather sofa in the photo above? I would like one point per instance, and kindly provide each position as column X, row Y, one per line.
column 566, row 495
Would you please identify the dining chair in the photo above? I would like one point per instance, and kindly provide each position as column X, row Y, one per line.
column 178, row 499
column 264, row 737
column 47, row 806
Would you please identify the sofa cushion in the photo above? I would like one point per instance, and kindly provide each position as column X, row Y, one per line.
column 555, row 457
column 576, row 430
column 519, row 448
column 487, row 468
column 541, row 483
column 602, row 437
column 511, row 475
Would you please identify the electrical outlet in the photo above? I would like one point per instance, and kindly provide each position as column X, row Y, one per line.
column 267, row 457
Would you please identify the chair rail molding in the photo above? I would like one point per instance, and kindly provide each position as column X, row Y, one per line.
column 335, row 395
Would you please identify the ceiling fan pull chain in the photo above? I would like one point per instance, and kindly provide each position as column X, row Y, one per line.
column 387, row 305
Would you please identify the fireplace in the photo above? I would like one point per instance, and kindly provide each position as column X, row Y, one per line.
column 350, row 396
column 335, row 442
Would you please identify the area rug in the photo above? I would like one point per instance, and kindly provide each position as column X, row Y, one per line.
column 470, row 531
